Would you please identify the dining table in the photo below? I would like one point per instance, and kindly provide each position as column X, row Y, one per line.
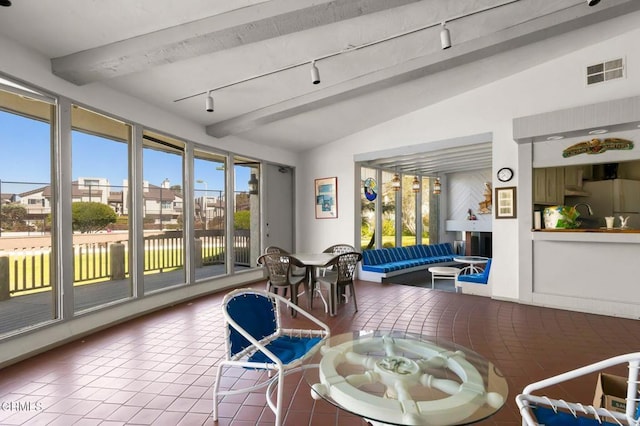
column 395, row 377
column 312, row 262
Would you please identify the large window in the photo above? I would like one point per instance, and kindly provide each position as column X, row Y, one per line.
column 368, row 195
column 397, row 209
column 246, row 216
column 100, row 226
column 210, row 216
column 28, row 285
column 388, row 210
column 163, row 221
column 409, row 214
column 96, row 213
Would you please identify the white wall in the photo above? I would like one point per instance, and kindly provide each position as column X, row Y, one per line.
column 553, row 85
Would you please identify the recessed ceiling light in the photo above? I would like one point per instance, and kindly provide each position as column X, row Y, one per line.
column 555, row 138
column 598, row 131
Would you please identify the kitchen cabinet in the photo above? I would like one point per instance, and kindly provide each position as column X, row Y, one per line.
column 613, row 196
column 548, row 186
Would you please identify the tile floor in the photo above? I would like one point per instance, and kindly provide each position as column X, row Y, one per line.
column 158, row 370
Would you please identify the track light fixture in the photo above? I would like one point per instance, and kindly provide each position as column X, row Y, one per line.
column 445, row 40
column 445, row 37
column 5, row 3
column 209, row 106
column 592, row 2
column 315, row 73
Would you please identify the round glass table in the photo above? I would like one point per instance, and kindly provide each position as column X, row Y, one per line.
column 399, row 378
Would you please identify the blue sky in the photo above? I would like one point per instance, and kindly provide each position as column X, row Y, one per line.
column 25, row 151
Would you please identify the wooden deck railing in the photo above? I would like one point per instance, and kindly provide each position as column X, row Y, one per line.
column 28, row 269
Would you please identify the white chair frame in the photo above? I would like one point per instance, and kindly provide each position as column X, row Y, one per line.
column 526, row 400
column 275, row 366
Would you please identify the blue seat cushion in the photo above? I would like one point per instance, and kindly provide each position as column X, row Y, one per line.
column 546, row 416
column 473, row 278
column 287, row 349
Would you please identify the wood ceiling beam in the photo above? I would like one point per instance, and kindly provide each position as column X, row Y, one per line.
column 216, row 33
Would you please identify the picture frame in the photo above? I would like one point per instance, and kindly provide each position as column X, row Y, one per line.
column 326, row 198
column 505, row 203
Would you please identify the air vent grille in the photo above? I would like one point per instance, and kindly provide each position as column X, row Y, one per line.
column 605, row 71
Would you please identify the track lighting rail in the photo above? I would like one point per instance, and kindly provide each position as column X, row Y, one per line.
column 315, row 74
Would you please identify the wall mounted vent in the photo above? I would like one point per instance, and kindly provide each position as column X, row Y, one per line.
column 605, row 71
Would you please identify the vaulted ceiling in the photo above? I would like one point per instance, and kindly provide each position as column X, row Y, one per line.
column 254, row 56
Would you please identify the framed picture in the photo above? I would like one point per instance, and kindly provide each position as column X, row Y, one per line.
column 327, row 198
column 505, row 203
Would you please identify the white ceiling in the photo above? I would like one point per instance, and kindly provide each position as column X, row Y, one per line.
column 162, row 51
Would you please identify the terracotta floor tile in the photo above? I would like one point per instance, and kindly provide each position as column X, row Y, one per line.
column 158, row 369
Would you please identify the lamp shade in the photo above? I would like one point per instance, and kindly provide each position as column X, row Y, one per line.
column 395, row 182
column 415, row 185
column 437, row 187
column 253, row 184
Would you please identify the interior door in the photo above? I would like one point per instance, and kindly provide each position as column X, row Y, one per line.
column 279, row 217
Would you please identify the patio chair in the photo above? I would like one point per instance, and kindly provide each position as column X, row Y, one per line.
column 280, row 274
column 255, row 339
column 545, row 410
column 474, row 283
column 296, row 271
column 335, row 249
column 339, row 277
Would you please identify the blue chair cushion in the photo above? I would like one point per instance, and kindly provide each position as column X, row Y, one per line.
column 287, row 349
column 473, row 278
column 255, row 314
column 479, row 278
column 546, row 416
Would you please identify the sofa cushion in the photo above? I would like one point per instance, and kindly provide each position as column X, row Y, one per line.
column 397, row 258
column 375, row 257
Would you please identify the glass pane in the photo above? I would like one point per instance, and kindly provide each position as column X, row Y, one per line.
column 388, row 211
column 408, row 211
column 246, row 217
column 162, row 166
column 425, row 210
column 99, row 210
column 368, row 197
column 210, row 218
column 28, row 291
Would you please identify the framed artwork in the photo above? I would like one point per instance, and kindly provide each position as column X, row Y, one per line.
column 327, row 198
column 505, row 203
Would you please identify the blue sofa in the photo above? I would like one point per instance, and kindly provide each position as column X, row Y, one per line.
column 387, row 262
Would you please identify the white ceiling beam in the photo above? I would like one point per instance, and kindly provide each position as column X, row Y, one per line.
column 225, row 31
column 534, row 30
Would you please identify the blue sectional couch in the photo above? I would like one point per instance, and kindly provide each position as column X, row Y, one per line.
column 387, row 262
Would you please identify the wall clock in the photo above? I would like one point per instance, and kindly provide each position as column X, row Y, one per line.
column 505, row 174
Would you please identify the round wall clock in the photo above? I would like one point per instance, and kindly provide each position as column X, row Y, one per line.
column 505, row 174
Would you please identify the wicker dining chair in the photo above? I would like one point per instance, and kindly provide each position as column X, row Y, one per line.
column 280, row 276
column 339, row 278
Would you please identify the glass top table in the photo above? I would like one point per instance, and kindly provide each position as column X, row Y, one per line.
column 399, row 378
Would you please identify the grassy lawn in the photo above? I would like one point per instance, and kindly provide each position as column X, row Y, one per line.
column 389, row 241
